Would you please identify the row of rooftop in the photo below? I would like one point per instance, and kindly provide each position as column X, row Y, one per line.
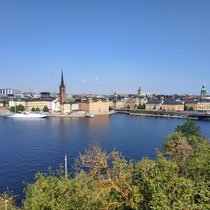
column 148, row 101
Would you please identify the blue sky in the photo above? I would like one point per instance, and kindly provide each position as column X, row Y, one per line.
column 105, row 46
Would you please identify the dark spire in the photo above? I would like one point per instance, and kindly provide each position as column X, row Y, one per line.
column 62, row 82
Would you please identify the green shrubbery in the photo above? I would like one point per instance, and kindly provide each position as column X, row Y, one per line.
column 178, row 179
column 18, row 108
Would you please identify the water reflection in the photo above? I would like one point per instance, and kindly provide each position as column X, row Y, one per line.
column 99, row 123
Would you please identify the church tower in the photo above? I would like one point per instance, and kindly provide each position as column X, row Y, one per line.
column 62, row 91
column 203, row 91
column 139, row 91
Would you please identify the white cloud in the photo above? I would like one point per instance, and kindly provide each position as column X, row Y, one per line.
column 96, row 78
column 84, row 81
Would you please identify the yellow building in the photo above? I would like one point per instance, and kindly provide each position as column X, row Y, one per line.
column 203, row 105
column 173, row 106
column 95, row 107
column 153, row 105
column 65, row 108
column 193, row 104
column 29, row 104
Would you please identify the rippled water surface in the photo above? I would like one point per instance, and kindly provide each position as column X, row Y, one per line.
column 28, row 146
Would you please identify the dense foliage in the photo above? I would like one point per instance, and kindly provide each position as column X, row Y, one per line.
column 141, row 106
column 18, row 108
column 35, row 109
column 178, row 179
column 45, row 109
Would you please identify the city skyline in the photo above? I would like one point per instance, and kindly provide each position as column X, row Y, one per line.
column 106, row 47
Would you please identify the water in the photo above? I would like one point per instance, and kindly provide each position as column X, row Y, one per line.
column 28, row 146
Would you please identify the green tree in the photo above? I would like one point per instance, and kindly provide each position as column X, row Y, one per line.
column 189, row 129
column 191, row 109
column 186, row 108
column 33, row 109
column 12, row 109
column 37, row 109
column 5, row 102
column 45, row 109
column 18, row 108
column 141, row 106
column 128, row 107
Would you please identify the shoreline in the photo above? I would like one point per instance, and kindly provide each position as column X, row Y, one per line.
column 72, row 116
column 163, row 116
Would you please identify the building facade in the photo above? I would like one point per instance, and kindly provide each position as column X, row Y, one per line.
column 38, row 103
column 193, row 104
column 153, row 105
column 16, row 103
column 203, row 105
column 173, row 106
column 95, row 107
column 53, row 106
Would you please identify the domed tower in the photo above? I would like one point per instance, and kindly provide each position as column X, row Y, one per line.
column 62, row 91
column 203, row 91
column 139, row 91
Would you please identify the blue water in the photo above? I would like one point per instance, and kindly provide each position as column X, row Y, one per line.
column 29, row 146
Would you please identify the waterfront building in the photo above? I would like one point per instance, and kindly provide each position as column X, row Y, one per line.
column 131, row 104
column 53, row 106
column 95, row 106
column 16, row 103
column 74, row 106
column 153, row 104
column 67, row 108
column 172, row 106
column 62, row 91
column 203, row 105
column 119, row 104
column 37, row 103
column 203, row 91
column 191, row 103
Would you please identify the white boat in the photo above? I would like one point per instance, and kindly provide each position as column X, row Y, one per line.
column 26, row 114
column 89, row 115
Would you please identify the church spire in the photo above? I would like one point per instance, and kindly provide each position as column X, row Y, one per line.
column 204, row 84
column 62, row 81
column 203, row 91
column 62, row 90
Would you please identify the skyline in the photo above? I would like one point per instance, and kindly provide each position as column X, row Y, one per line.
column 106, row 46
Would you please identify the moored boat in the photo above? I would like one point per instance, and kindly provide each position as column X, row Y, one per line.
column 26, row 114
column 89, row 115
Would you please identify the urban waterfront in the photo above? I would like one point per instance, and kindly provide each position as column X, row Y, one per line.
column 30, row 146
